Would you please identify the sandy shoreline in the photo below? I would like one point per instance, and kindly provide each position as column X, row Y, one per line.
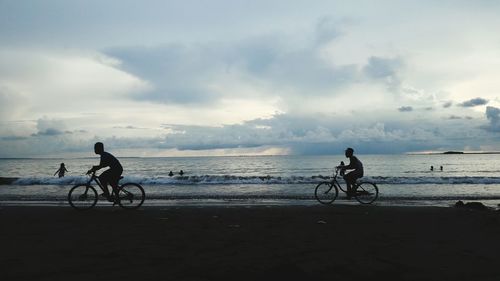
column 250, row 243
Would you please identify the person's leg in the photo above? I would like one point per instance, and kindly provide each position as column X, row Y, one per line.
column 104, row 178
column 355, row 175
column 349, row 180
column 113, row 181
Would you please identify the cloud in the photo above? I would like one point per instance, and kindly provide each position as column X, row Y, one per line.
column 225, row 60
column 493, row 116
column 326, row 30
column 271, row 64
column 303, row 135
column 129, row 127
column 447, row 104
column 36, row 82
column 201, row 74
column 473, row 102
column 13, row 138
column 379, row 67
column 294, row 133
column 12, row 102
column 48, row 132
column 50, row 127
column 405, row 109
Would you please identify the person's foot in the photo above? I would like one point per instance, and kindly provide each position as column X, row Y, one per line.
column 107, row 197
column 349, row 195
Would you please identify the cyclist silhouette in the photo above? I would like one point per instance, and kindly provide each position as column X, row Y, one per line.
column 112, row 175
column 351, row 177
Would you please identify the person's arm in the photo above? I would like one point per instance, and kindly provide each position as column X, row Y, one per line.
column 97, row 167
column 351, row 164
column 103, row 163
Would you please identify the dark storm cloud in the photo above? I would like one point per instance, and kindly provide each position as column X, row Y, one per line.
column 405, row 109
column 473, row 102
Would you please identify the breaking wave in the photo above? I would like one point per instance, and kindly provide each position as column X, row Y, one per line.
column 234, row 179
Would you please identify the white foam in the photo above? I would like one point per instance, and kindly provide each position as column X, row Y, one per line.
column 233, row 179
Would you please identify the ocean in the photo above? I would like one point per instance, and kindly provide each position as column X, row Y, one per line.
column 251, row 180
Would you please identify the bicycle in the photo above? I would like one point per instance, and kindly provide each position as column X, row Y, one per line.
column 364, row 192
column 84, row 196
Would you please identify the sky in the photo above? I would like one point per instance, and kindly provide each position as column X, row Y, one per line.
column 237, row 77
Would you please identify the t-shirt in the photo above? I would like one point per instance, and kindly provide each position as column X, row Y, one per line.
column 355, row 164
column 108, row 160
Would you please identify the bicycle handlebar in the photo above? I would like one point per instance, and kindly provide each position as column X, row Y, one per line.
column 338, row 168
column 91, row 173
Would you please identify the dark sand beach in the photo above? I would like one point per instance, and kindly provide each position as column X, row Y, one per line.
column 250, row 243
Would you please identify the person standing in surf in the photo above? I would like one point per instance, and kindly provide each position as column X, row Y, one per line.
column 61, row 170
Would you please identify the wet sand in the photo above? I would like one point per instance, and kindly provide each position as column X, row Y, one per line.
column 255, row 243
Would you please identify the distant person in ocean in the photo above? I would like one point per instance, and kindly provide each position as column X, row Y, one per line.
column 351, row 177
column 61, row 170
column 441, row 168
column 111, row 175
column 432, row 168
column 181, row 172
column 170, row 174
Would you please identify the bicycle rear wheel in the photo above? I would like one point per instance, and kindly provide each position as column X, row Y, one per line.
column 131, row 196
column 366, row 193
column 326, row 193
column 82, row 197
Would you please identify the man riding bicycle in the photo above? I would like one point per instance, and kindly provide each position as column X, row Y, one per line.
column 351, row 177
column 112, row 175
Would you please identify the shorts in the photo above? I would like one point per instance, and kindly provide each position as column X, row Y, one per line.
column 110, row 176
column 351, row 177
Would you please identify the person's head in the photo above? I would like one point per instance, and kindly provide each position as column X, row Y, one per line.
column 98, row 148
column 349, row 152
column 62, row 164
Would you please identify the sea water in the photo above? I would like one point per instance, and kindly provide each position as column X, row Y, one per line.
column 401, row 179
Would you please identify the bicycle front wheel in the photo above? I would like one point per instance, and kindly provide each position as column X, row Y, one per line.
column 326, row 193
column 82, row 197
column 366, row 193
column 131, row 196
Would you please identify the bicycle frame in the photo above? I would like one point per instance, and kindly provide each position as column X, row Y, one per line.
column 335, row 182
column 95, row 178
column 363, row 191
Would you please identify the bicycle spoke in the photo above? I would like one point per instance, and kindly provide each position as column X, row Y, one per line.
column 82, row 197
column 131, row 196
column 325, row 193
column 366, row 193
